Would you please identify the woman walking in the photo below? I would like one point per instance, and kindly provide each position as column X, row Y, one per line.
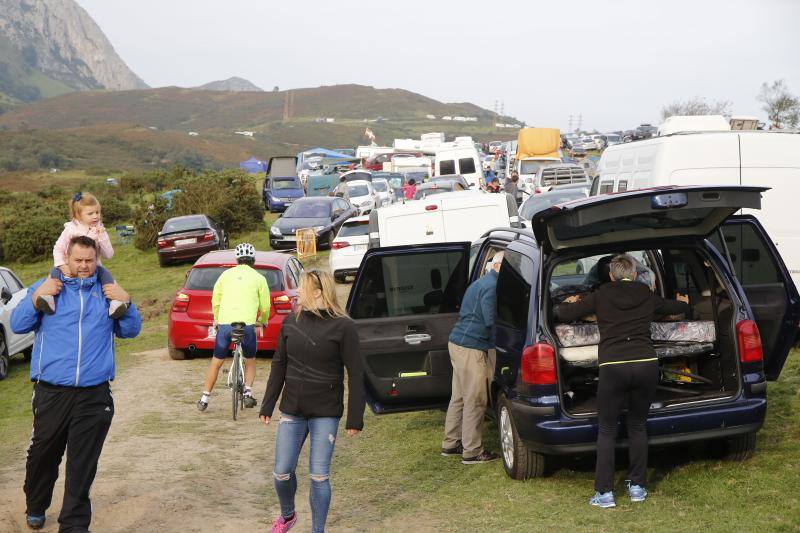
column 315, row 345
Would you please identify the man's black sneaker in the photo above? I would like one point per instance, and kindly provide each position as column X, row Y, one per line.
column 201, row 405
column 34, row 522
column 458, row 449
column 249, row 401
column 45, row 304
column 117, row 309
column 484, row 457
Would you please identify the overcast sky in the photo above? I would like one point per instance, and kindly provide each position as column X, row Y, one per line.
column 616, row 62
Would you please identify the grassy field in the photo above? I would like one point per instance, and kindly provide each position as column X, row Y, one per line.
column 394, row 468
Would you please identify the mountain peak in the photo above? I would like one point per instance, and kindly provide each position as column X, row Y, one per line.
column 234, row 84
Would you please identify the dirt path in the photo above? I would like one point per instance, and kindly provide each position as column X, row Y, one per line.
column 166, row 467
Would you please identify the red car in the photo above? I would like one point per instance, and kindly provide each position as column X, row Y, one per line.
column 191, row 315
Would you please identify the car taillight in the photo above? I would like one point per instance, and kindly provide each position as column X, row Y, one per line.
column 749, row 342
column 208, row 236
column 283, row 304
column 337, row 245
column 162, row 242
column 181, row 303
column 539, row 364
column 537, row 190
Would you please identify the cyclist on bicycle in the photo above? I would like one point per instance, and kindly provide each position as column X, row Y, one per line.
column 240, row 294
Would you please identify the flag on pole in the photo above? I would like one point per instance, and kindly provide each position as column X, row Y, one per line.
column 369, row 135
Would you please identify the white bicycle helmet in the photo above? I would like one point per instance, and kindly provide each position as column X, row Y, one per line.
column 245, row 249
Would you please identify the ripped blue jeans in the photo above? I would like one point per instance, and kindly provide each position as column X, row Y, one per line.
column 292, row 433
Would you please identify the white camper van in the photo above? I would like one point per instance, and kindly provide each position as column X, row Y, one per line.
column 445, row 217
column 460, row 158
column 766, row 158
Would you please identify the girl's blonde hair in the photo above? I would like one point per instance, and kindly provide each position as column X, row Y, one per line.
column 311, row 280
column 79, row 201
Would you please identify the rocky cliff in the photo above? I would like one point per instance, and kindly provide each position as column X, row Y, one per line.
column 55, row 43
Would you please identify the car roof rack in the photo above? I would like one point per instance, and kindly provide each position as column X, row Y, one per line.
column 518, row 232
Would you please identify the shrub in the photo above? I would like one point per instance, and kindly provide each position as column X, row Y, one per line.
column 149, row 218
column 114, row 210
column 33, row 239
column 229, row 197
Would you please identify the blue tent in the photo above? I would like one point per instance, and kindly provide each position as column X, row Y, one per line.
column 253, row 166
column 322, row 152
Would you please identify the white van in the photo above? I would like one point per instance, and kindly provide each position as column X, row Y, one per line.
column 766, row 158
column 445, row 217
column 460, row 158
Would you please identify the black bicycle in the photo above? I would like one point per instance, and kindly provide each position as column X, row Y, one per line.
column 236, row 373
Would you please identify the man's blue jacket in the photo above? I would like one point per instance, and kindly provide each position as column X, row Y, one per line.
column 475, row 326
column 75, row 346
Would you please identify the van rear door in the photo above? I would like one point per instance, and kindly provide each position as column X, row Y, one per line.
column 768, row 285
column 646, row 214
column 405, row 301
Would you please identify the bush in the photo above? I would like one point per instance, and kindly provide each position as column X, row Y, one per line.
column 149, row 218
column 114, row 210
column 33, row 240
column 229, row 197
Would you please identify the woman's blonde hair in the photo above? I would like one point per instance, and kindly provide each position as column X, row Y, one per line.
column 79, row 201
column 311, row 280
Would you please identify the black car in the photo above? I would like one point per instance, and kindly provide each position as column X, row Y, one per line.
column 325, row 214
column 188, row 237
column 714, row 363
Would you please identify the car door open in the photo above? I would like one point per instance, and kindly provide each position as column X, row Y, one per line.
column 405, row 301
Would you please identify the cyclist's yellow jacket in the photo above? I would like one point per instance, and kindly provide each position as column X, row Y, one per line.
column 239, row 295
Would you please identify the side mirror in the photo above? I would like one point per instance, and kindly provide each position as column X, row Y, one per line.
column 5, row 295
column 471, row 185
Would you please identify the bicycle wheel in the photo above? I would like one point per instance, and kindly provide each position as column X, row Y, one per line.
column 235, row 391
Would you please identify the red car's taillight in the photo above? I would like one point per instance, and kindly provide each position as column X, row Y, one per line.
column 181, row 303
column 337, row 245
column 162, row 242
column 539, row 364
column 208, row 236
column 282, row 304
column 749, row 342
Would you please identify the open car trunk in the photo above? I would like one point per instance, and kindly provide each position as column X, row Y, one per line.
column 697, row 354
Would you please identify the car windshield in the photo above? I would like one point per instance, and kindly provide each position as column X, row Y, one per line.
column 184, row 224
column 308, row 210
column 354, row 229
column 396, row 183
column 539, row 202
column 357, row 190
column 380, row 186
column 613, row 138
column 286, row 184
column 204, row 278
column 531, row 167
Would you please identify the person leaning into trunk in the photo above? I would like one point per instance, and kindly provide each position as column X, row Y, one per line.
column 628, row 369
column 72, row 364
column 470, row 343
column 315, row 346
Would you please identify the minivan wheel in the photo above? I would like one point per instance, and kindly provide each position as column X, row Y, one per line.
column 740, row 447
column 519, row 462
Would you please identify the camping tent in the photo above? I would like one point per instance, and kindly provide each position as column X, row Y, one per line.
column 253, row 166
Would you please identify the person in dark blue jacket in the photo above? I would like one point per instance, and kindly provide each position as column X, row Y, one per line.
column 470, row 343
column 71, row 366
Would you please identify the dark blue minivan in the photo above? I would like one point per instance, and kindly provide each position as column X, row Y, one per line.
column 714, row 363
column 281, row 186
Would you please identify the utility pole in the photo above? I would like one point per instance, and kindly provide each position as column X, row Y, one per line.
column 580, row 121
column 288, row 104
column 570, row 124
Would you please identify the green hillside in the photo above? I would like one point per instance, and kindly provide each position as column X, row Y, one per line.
column 150, row 128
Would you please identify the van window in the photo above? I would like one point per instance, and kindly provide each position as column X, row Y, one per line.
column 606, row 187
column 466, row 165
column 752, row 262
column 622, row 186
column 404, row 285
column 447, row 166
column 513, row 292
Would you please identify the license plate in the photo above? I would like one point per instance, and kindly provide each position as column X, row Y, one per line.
column 289, row 238
column 180, row 242
column 359, row 247
column 212, row 332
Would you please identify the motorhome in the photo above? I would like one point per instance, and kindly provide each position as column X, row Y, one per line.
column 536, row 148
column 760, row 158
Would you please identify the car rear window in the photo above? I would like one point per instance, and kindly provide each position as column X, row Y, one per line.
column 354, row 229
column 466, row 165
column 447, row 167
column 184, row 224
column 204, row 278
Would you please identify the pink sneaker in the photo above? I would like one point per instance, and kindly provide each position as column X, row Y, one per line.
column 281, row 525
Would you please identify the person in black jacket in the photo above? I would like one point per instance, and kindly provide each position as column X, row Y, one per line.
column 315, row 345
column 628, row 368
